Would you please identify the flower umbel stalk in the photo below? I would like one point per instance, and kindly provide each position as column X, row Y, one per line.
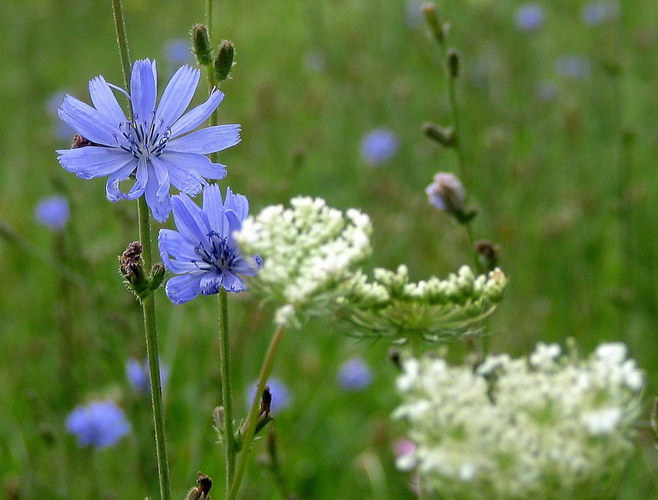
column 252, row 419
column 227, row 397
column 148, row 302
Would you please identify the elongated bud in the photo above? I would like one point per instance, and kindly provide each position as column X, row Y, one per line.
column 453, row 62
column 433, row 22
column 201, row 44
column 445, row 136
column 157, row 276
column 218, row 417
column 224, row 60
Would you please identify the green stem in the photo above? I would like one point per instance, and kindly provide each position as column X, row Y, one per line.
column 227, row 400
column 122, row 40
column 148, row 307
column 252, row 419
column 148, row 302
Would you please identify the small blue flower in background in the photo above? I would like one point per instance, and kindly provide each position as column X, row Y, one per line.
column 354, row 375
column 379, row 146
column 138, row 375
column 53, row 212
column 572, row 66
column 157, row 147
column 280, row 395
column 530, row 17
column 594, row 13
column 100, row 424
column 205, row 255
column 177, row 52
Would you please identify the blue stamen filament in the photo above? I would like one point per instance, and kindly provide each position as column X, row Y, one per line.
column 144, row 138
column 220, row 257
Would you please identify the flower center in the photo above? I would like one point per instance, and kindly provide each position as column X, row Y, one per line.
column 145, row 137
column 221, row 256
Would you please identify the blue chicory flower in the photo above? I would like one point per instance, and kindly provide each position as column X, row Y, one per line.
column 280, row 395
column 354, row 375
column 156, row 147
column 138, row 375
column 594, row 13
column 53, row 212
column 100, row 424
column 379, row 146
column 205, row 255
column 530, row 17
column 573, row 66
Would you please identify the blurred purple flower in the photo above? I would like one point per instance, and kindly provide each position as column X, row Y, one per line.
column 379, row 146
column 99, row 424
column 573, row 66
column 177, row 52
column 594, row 13
column 138, row 375
column 546, row 91
column 530, row 17
column 354, row 375
column 53, row 212
column 279, row 391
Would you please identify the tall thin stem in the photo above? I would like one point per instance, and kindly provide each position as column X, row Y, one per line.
column 227, row 400
column 151, row 334
column 252, row 419
column 148, row 302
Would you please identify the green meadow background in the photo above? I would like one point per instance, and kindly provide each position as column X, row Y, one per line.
column 562, row 169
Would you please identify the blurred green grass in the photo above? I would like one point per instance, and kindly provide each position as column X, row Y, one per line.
column 567, row 187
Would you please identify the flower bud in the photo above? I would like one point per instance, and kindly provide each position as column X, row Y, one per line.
column 201, row 44
column 487, row 254
column 453, row 62
column 158, row 272
column 132, row 268
column 446, row 193
column 224, row 60
column 200, row 492
column 432, row 19
column 445, row 136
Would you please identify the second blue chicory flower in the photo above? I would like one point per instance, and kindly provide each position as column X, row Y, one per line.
column 203, row 252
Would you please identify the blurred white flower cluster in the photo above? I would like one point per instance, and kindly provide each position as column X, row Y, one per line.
column 549, row 426
column 435, row 309
column 308, row 251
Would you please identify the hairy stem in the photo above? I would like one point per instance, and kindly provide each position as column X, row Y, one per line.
column 227, row 399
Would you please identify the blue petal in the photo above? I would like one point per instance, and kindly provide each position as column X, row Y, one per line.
column 105, row 101
column 177, row 95
column 183, row 288
column 193, row 161
column 95, row 161
column 173, row 244
column 188, row 219
column 143, row 89
column 213, row 207
column 141, row 179
column 245, row 266
column 87, row 121
column 159, row 203
column 207, row 140
column 196, row 116
column 182, row 172
column 112, row 185
column 210, row 283
column 237, row 203
column 232, row 283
